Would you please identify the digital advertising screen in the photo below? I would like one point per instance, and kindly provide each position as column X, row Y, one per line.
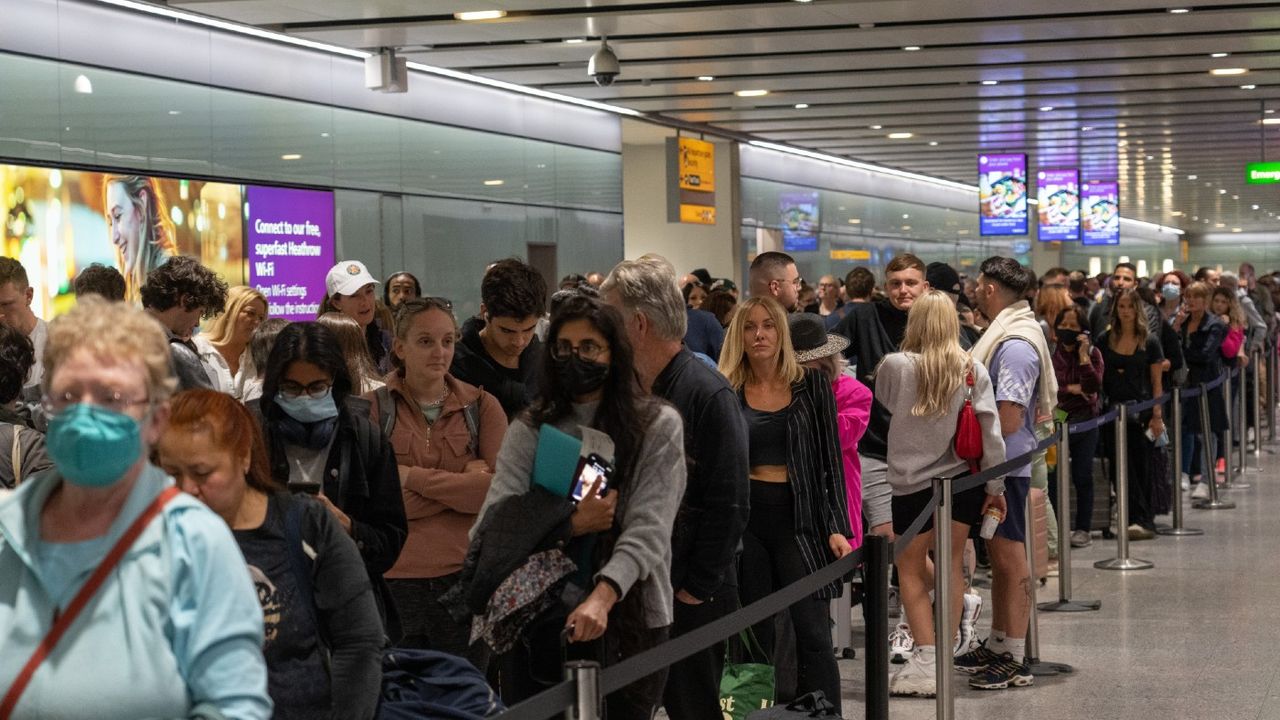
column 800, row 222
column 1100, row 213
column 57, row 222
column 291, row 247
column 1002, row 194
column 1058, row 192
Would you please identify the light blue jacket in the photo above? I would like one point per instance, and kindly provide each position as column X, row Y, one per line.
column 177, row 624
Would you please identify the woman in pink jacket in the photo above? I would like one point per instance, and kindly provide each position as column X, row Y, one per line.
column 821, row 351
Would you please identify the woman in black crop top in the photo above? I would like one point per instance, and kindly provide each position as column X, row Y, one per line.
column 799, row 522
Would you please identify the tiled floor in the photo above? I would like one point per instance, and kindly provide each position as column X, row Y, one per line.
column 1196, row 637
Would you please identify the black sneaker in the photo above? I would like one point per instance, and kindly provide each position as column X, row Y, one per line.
column 976, row 660
column 1004, row 672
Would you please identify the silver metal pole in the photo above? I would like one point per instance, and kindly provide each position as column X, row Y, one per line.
column 1122, row 561
column 1259, row 376
column 1242, row 428
column 1178, row 528
column 1231, row 473
column 1273, row 387
column 1063, row 507
column 1206, row 433
column 944, row 700
column 585, row 675
column 1029, row 544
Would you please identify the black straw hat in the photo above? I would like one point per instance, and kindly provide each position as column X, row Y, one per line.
column 810, row 338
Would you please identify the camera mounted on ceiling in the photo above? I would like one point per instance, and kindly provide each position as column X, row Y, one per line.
column 603, row 67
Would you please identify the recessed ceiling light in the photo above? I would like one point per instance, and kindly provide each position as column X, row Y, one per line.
column 1218, row 55
column 1046, row 108
column 990, row 82
column 911, row 48
column 494, row 183
column 1193, row 177
column 291, row 156
column 804, row 1
column 1237, row 230
column 1228, row 71
column 1086, row 128
column 82, row 85
column 1222, row 191
column 1179, row 11
column 875, row 127
column 1176, row 213
column 751, row 93
column 933, row 143
column 906, row 227
column 574, row 41
column 900, row 135
column 802, row 106
column 1219, row 224
column 1235, row 197
column 706, row 78
column 1255, row 207
column 1248, row 87
column 855, row 221
column 1151, row 157
column 324, row 134
column 175, row 112
column 480, row 15
column 1268, row 112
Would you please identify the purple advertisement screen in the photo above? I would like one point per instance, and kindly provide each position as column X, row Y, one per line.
column 291, row 241
column 1100, row 213
column 1002, row 194
column 1059, row 208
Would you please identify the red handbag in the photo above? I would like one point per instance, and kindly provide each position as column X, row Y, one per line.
column 968, row 440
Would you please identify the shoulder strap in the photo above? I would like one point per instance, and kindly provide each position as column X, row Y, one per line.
column 471, row 414
column 64, row 621
column 298, row 558
column 15, row 456
column 386, row 411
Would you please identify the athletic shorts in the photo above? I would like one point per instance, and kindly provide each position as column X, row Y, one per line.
column 1014, row 526
column 965, row 508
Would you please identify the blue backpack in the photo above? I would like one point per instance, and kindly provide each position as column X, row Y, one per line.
column 429, row 684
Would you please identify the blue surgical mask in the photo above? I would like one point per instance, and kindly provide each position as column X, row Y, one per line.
column 307, row 409
column 92, row 446
column 1171, row 291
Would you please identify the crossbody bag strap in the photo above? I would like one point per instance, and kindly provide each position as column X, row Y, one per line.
column 15, row 455
column 64, row 620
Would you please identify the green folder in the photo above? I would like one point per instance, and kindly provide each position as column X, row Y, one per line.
column 556, row 460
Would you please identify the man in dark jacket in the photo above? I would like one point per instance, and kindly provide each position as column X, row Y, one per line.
column 1124, row 278
column 713, row 512
column 178, row 294
column 500, row 352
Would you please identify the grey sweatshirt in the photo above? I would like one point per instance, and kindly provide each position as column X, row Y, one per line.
column 642, row 554
column 922, row 448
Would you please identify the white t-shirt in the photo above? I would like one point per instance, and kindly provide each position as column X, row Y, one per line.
column 39, row 338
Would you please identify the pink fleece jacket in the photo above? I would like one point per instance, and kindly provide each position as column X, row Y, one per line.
column 853, row 412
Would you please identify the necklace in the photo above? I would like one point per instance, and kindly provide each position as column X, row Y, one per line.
column 438, row 402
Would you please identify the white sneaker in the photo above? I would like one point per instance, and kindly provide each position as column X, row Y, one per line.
column 968, row 638
column 1186, row 482
column 895, row 602
column 901, row 644
column 917, row 678
column 1201, row 492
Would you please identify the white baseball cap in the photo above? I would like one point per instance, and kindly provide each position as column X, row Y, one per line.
column 347, row 277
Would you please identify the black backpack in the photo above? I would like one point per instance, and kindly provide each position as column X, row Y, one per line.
column 387, row 419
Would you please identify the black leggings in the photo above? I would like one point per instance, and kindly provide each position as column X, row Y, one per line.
column 771, row 560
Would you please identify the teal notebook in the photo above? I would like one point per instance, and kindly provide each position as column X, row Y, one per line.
column 556, row 460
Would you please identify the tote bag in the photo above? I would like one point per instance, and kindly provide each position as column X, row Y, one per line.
column 746, row 686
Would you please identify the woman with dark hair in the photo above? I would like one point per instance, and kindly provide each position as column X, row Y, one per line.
column 399, row 287
column 720, row 303
column 694, row 295
column 588, row 381
column 323, row 635
column 320, row 444
column 799, row 520
column 1202, row 335
column 446, row 435
column 1078, row 366
column 1133, row 364
column 22, row 451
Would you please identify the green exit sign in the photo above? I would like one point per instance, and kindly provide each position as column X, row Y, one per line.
column 1262, row 173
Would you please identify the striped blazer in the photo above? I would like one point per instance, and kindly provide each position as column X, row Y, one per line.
column 815, row 471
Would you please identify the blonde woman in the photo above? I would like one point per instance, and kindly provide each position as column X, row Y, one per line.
column 139, row 227
column 224, row 349
column 799, row 521
column 924, row 387
column 365, row 377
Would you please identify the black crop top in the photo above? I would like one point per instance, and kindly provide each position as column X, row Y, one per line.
column 767, row 433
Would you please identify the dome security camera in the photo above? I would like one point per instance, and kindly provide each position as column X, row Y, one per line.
column 603, row 67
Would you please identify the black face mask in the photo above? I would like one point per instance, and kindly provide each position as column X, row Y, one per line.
column 1068, row 337
column 579, row 376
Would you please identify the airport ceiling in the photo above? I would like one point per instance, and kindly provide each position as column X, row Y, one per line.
column 1123, row 89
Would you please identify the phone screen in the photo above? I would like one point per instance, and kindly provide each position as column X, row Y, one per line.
column 594, row 467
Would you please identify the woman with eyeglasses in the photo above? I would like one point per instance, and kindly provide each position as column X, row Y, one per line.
column 799, row 520
column 588, row 380
column 174, row 629
column 321, row 445
column 323, row 635
column 446, row 435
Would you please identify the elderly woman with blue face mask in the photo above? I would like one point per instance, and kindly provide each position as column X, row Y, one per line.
column 122, row 598
column 321, row 442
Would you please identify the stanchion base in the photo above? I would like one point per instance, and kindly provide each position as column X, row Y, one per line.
column 1070, row 605
column 1124, row 564
column 1040, row 668
column 1237, row 485
column 1179, row 532
column 1211, row 505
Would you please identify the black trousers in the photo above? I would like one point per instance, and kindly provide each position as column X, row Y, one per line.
column 1083, row 446
column 428, row 626
column 693, row 684
column 771, row 560
column 1139, row 473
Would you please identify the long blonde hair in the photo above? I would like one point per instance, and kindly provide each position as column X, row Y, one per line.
column 237, row 297
column 733, row 354
column 351, row 340
column 933, row 335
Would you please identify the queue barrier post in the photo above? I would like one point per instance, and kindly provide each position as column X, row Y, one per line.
column 585, row 675
column 1063, row 506
column 1273, row 388
column 1260, row 376
column 1230, row 471
column 1242, row 439
column 1178, row 529
column 944, row 698
column 876, row 596
column 1122, row 561
column 1206, row 432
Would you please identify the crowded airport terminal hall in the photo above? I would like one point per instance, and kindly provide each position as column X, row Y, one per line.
column 639, row 359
